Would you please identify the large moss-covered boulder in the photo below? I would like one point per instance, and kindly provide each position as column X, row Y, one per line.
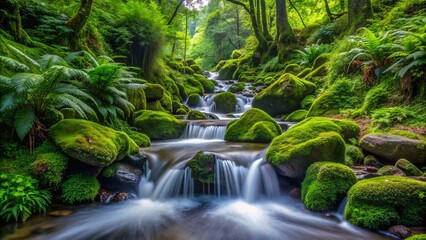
column 202, row 167
column 393, row 147
column 196, row 115
column 193, row 100
column 137, row 98
column 325, row 185
column 228, row 69
column 158, row 125
column 225, row 102
column 297, row 115
column 254, row 126
column 154, row 92
column 91, row 143
column 237, row 87
column 312, row 140
column 381, row 202
column 408, row 168
column 284, row 95
column 207, row 85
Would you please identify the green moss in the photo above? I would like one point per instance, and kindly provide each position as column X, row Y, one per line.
column 319, row 72
column 311, row 140
column 237, row 87
column 381, row 202
column 207, row 85
column 325, row 185
column 155, row 106
column 154, row 92
column 307, row 102
column 417, row 237
column 408, row 168
column 376, row 97
column 236, row 54
column 90, row 142
column 293, row 68
column 406, row 134
column 80, row 189
column 303, row 73
column 297, row 115
column 225, row 102
column 355, row 154
column 321, row 60
column 196, row 115
column 137, row 98
column 142, row 140
column 371, row 160
column 158, row 125
column 193, row 100
column 110, row 170
column 202, row 167
column 284, row 95
column 166, row 101
column 182, row 92
column 227, row 70
column 196, row 68
column 50, row 168
column 254, row 126
column 193, row 86
column 181, row 111
column 390, row 170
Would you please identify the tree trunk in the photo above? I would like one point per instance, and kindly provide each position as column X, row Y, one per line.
column 359, row 11
column 263, row 45
column 79, row 20
column 285, row 36
column 237, row 17
column 298, row 13
column 327, row 9
column 342, row 5
column 265, row 21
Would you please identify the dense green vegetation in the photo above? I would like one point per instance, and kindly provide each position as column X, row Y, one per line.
column 86, row 83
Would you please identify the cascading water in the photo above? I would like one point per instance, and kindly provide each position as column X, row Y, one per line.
column 244, row 202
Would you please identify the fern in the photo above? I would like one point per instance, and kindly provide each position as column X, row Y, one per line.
column 26, row 57
column 14, row 65
column 46, row 61
column 24, row 122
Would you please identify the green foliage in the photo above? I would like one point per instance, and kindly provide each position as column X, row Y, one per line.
column 297, row 116
column 308, row 55
column 325, row 185
column 417, row 237
column 50, row 168
column 79, row 189
column 381, row 202
column 376, row 97
column 325, row 33
column 19, row 197
column 254, row 125
column 386, row 117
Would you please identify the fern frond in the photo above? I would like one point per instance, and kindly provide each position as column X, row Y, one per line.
column 24, row 121
column 8, row 102
column 23, row 82
column 26, row 57
column 46, row 61
column 14, row 65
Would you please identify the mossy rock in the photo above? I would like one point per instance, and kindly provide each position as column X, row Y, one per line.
column 207, row 85
column 166, row 102
column 158, row 125
column 202, row 167
column 381, row 202
column 389, row 170
column 154, row 92
column 236, row 54
column 417, row 237
column 182, row 92
column 196, row 68
column 176, row 105
column 371, row 160
column 297, row 115
column 311, row 140
column 321, row 60
column 284, row 95
column 181, row 111
column 219, row 66
column 307, row 102
column 142, row 140
column 137, row 98
column 193, row 86
column 171, row 86
column 91, row 143
column 50, row 168
column 254, row 126
column 79, row 189
column 155, row 106
column 227, row 70
column 325, row 185
column 293, row 68
column 304, row 73
column 237, row 87
column 196, row 115
column 408, row 168
column 193, row 100
column 225, row 102
column 355, row 154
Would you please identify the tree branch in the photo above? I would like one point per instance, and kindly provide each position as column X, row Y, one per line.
column 240, row 4
column 175, row 12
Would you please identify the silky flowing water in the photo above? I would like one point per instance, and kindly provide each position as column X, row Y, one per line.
column 245, row 201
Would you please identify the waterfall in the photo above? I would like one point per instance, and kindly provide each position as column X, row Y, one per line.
column 229, row 178
column 342, row 206
column 174, row 182
column 261, row 172
column 204, row 132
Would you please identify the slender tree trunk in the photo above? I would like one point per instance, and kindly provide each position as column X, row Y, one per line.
column 327, row 9
column 285, row 36
column 265, row 21
column 359, row 11
column 298, row 13
column 237, row 16
column 79, row 20
column 263, row 45
column 342, row 5
column 175, row 12
column 258, row 19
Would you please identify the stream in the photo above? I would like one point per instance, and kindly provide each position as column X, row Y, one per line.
column 246, row 201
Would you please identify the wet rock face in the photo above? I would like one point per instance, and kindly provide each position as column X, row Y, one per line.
column 400, row 231
column 121, row 177
column 394, row 147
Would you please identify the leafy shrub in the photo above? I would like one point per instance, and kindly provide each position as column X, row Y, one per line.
column 19, row 197
column 308, row 55
column 80, row 188
column 325, row 33
column 385, row 117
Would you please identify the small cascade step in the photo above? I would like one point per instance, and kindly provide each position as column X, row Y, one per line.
column 205, row 130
